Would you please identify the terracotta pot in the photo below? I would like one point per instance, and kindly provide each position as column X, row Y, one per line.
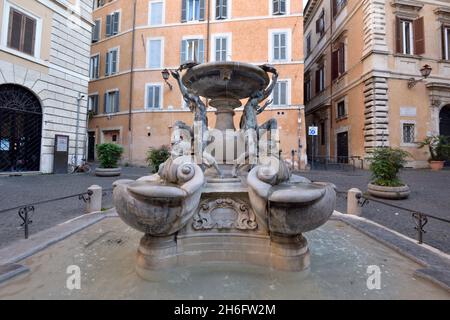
column 393, row 193
column 436, row 165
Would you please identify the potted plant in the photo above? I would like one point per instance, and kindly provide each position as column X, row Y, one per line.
column 156, row 157
column 109, row 155
column 385, row 165
column 439, row 148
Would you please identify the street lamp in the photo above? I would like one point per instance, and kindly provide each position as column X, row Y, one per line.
column 166, row 75
column 425, row 71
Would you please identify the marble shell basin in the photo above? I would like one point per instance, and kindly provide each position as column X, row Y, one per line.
column 154, row 208
column 226, row 80
column 295, row 208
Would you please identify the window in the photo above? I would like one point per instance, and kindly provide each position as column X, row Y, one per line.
column 320, row 24
column 341, row 109
column 96, row 31
column 99, row 3
column 280, row 48
column 94, row 67
column 280, row 93
column 155, row 53
column 407, row 37
column 410, row 36
column 338, row 5
column 21, row 32
column 156, row 13
column 221, row 48
column 278, row 7
column 153, row 97
column 93, row 103
column 192, row 50
column 112, row 24
column 320, row 79
column 307, row 88
column 446, row 42
column 222, row 9
column 338, row 61
column 112, row 101
column 409, row 133
column 192, row 10
column 308, row 44
column 112, row 57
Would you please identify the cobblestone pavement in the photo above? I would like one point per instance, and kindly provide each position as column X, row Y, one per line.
column 430, row 194
column 15, row 191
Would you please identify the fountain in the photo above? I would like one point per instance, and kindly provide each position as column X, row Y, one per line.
column 200, row 207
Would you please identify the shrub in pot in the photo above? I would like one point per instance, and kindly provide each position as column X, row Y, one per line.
column 109, row 155
column 156, row 157
column 385, row 166
column 439, row 148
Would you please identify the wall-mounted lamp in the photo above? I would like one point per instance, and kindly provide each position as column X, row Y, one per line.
column 166, row 75
column 425, row 71
column 149, row 133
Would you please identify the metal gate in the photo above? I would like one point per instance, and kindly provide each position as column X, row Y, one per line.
column 20, row 129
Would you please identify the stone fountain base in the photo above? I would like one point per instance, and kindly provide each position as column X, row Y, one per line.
column 224, row 229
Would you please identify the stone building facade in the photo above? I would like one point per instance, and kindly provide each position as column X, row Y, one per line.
column 361, row 59
column 44, row 65
column 134, row 41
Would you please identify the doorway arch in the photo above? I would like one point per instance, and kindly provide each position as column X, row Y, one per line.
column 444, row 121
column 20, row 129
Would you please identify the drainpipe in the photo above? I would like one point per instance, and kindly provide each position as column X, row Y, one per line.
column 130, row 102
column 330, row 135
column 79, row 98
column 208, row 30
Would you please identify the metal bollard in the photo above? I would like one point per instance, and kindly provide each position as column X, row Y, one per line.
column 95, row 201
column 353, row 206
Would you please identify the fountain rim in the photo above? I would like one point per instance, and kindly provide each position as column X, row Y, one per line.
column 251, row 68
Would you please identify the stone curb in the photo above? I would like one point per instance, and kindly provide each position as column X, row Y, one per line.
column 436, row 263
column 23, row 249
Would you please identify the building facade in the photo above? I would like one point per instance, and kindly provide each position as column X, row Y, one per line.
column 44, row 64
column 134, row 41
column 361, row 58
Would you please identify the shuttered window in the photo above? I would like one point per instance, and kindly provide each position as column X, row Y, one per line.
column 154, row 53
column 192, row 50
column 93, row 104
column 338, row 62
column 280, row 46
column 111, row 66
column 221, row 9
column 192, row 10
column 94, row 67
column 156, row 13
column 278, row 7
column 320, row 79
column 112, row 102
column 280, row 93
column 96, row 31
column 21, row 32
column 221, row 45
column 112, row 24
column 320, row 24
column 153, row 97
column 338, row 5
column 307, row 88
column 410, row 36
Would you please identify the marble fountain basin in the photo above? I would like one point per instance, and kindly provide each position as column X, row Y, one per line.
column 226, row 82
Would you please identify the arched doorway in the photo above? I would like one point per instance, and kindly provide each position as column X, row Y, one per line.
column 20, row 129
column 444, row 121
